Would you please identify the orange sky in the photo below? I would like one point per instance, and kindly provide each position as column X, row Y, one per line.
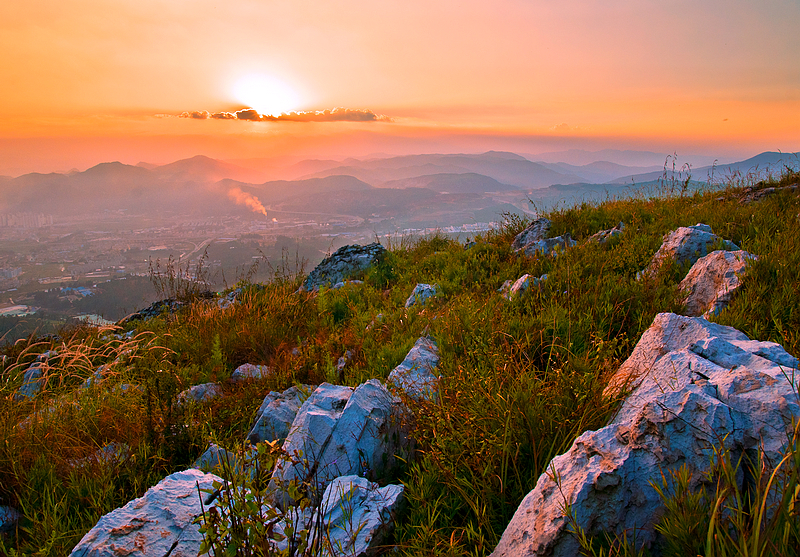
column 88, row 81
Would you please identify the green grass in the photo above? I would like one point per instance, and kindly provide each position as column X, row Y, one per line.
column 520, row 379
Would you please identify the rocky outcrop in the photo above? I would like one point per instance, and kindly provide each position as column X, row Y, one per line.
column 32, row 381
column 358, row 515
column 548, row 246
column 159, row 523
column 341, row 431
column 751, row 195
column 536, row 231
column 686, row 244
column 167, row 306
column 605, row 235
column 276, row 414
column 422, row 293
column 513, row 289
column 695, row 387
column 713, row 280
column 343, row 264
column 415, row 376
column 250, row 371
column 203, row 392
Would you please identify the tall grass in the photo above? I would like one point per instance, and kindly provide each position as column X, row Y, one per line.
column 520, row 379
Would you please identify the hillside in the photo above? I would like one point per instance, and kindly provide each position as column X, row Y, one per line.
column 521, row 376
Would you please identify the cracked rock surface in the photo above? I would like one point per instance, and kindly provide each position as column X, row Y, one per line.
column 694, row 386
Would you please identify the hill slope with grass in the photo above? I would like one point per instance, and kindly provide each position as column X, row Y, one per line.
column 520, row 379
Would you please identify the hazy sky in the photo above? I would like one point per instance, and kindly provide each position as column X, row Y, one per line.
column 86, row 81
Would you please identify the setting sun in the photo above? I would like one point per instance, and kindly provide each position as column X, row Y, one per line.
column 266, row 94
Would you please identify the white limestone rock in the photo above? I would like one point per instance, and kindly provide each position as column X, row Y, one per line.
column 696, row 386
column 342, row 431
column 537, row 230
column 548, row 246
column 343, row 264
column 204, row 392
column 276, row 414
column 415, row 375
column 687, row 243
column 513, row 289
column 605, row 235
column 250, row 371
column 422, row 293
column 358, row 515
column 713, row 280
column 159, row 523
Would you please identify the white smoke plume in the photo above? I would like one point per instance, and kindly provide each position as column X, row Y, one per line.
column 243, row 198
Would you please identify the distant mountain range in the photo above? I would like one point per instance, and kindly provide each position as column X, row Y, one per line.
column 377, row 186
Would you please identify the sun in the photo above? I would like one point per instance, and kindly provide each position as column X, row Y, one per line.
column 266, row 94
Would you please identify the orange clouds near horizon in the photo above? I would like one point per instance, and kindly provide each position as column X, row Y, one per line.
column 83, row 81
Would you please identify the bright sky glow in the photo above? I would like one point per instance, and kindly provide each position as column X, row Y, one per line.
column 268, row 95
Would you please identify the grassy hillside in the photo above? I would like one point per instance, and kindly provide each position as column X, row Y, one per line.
column 520, row 379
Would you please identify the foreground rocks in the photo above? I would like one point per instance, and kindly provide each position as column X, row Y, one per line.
column 686, row 244
column 537, row 230
column 696, row 387
column 343, row 264
column 277, row 413
column 713, row 280
column 161, row 522
column 415, row 376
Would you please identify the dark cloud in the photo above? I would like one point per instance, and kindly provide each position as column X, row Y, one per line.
column 328, row 115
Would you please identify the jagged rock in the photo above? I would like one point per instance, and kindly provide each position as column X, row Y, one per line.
column 159, row 523
column 344, row 263
column 547, row 246
column 415, row 375
column 511, row 289
column 276, row 414
column 422, row 293
column 9, row 517
column 250, row 371
column 605, row 235
column 687, row 243
column 341, row 431
column 537, row 230
column 751, row 195
column 358, row 515
column 31, row 382
column 203, row 392
column 712, row 281
column 696, row 386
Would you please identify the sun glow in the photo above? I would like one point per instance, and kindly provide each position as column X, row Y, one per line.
column 265, row 94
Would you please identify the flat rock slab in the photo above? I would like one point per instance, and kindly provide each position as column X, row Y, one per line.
column 713, row 280
column 158, row 524
column 415, row 375
column 343, row 264
column 694, row 387
column 686, row 244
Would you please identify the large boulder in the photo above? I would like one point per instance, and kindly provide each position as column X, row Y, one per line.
column 341, row 431
column 159, row 523
column 343, row 264
column 276, row 414
column 687, row 243
column 415, row 376
column 713, row 280
column 358, row 515
column 537, row 230
column 695, row 388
